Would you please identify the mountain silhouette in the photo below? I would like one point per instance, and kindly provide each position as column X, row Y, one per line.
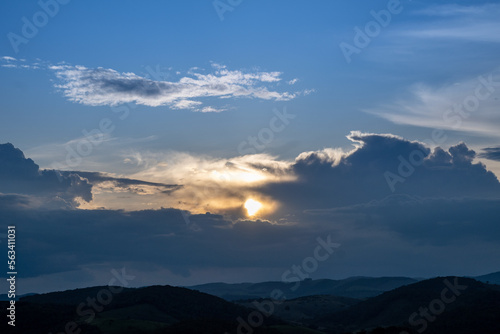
column 353, row 287
column 431, row 306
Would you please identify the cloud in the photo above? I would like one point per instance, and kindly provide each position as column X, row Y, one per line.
column 103, row 180
column 433, row 35
column 147, row 238
column 101, row 86
column 456, row 22
column 19, row 175
column 161, row 247
column 491, row 153
column 21, row 178
column 467, row 106
column 104, row 86
column 11, row 62
column 447, row 208
column 211, row 184
column 14, row 201
column 457, row 10
column 100, row 149
column 333, row 178
column 378, row 166
column 404, row 231
column 212, row 109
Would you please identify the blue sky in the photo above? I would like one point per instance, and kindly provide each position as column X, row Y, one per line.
column 300, row 41
column 182, row 86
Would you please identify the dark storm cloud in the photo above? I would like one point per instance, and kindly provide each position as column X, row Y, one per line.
column 447, row 210
column 57, row 189
column 404, row 231
column 19, row 175
column 491, row 153
column 64, row 240
column 328, row 179
column 437, row 221
column 14, row 201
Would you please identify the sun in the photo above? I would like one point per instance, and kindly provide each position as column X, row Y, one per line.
column 252, row 206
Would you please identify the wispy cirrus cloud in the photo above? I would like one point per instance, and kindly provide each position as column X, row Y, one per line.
column 470, row 105
column 11, row 62
column 474, row 23
column 450, row 10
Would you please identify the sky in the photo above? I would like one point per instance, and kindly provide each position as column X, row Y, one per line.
column 189, row 142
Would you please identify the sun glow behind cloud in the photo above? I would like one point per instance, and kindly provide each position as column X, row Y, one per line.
column 205, row 184
column 252, row 206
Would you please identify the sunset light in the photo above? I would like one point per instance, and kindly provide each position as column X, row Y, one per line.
column 252, row 206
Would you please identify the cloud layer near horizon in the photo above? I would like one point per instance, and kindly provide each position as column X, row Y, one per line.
column 396, row 236
column 447, row 208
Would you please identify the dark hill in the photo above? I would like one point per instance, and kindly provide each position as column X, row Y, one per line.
column 475, row 310
column 155, row 309
column 354, row 287
column 493, row 278
column 178, row 303
column 303, row 309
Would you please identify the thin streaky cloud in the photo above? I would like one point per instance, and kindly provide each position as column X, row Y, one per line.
column 491, row 153
column 457, row 10
column 467, row 106
column 456, row 22
column 480, row 32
